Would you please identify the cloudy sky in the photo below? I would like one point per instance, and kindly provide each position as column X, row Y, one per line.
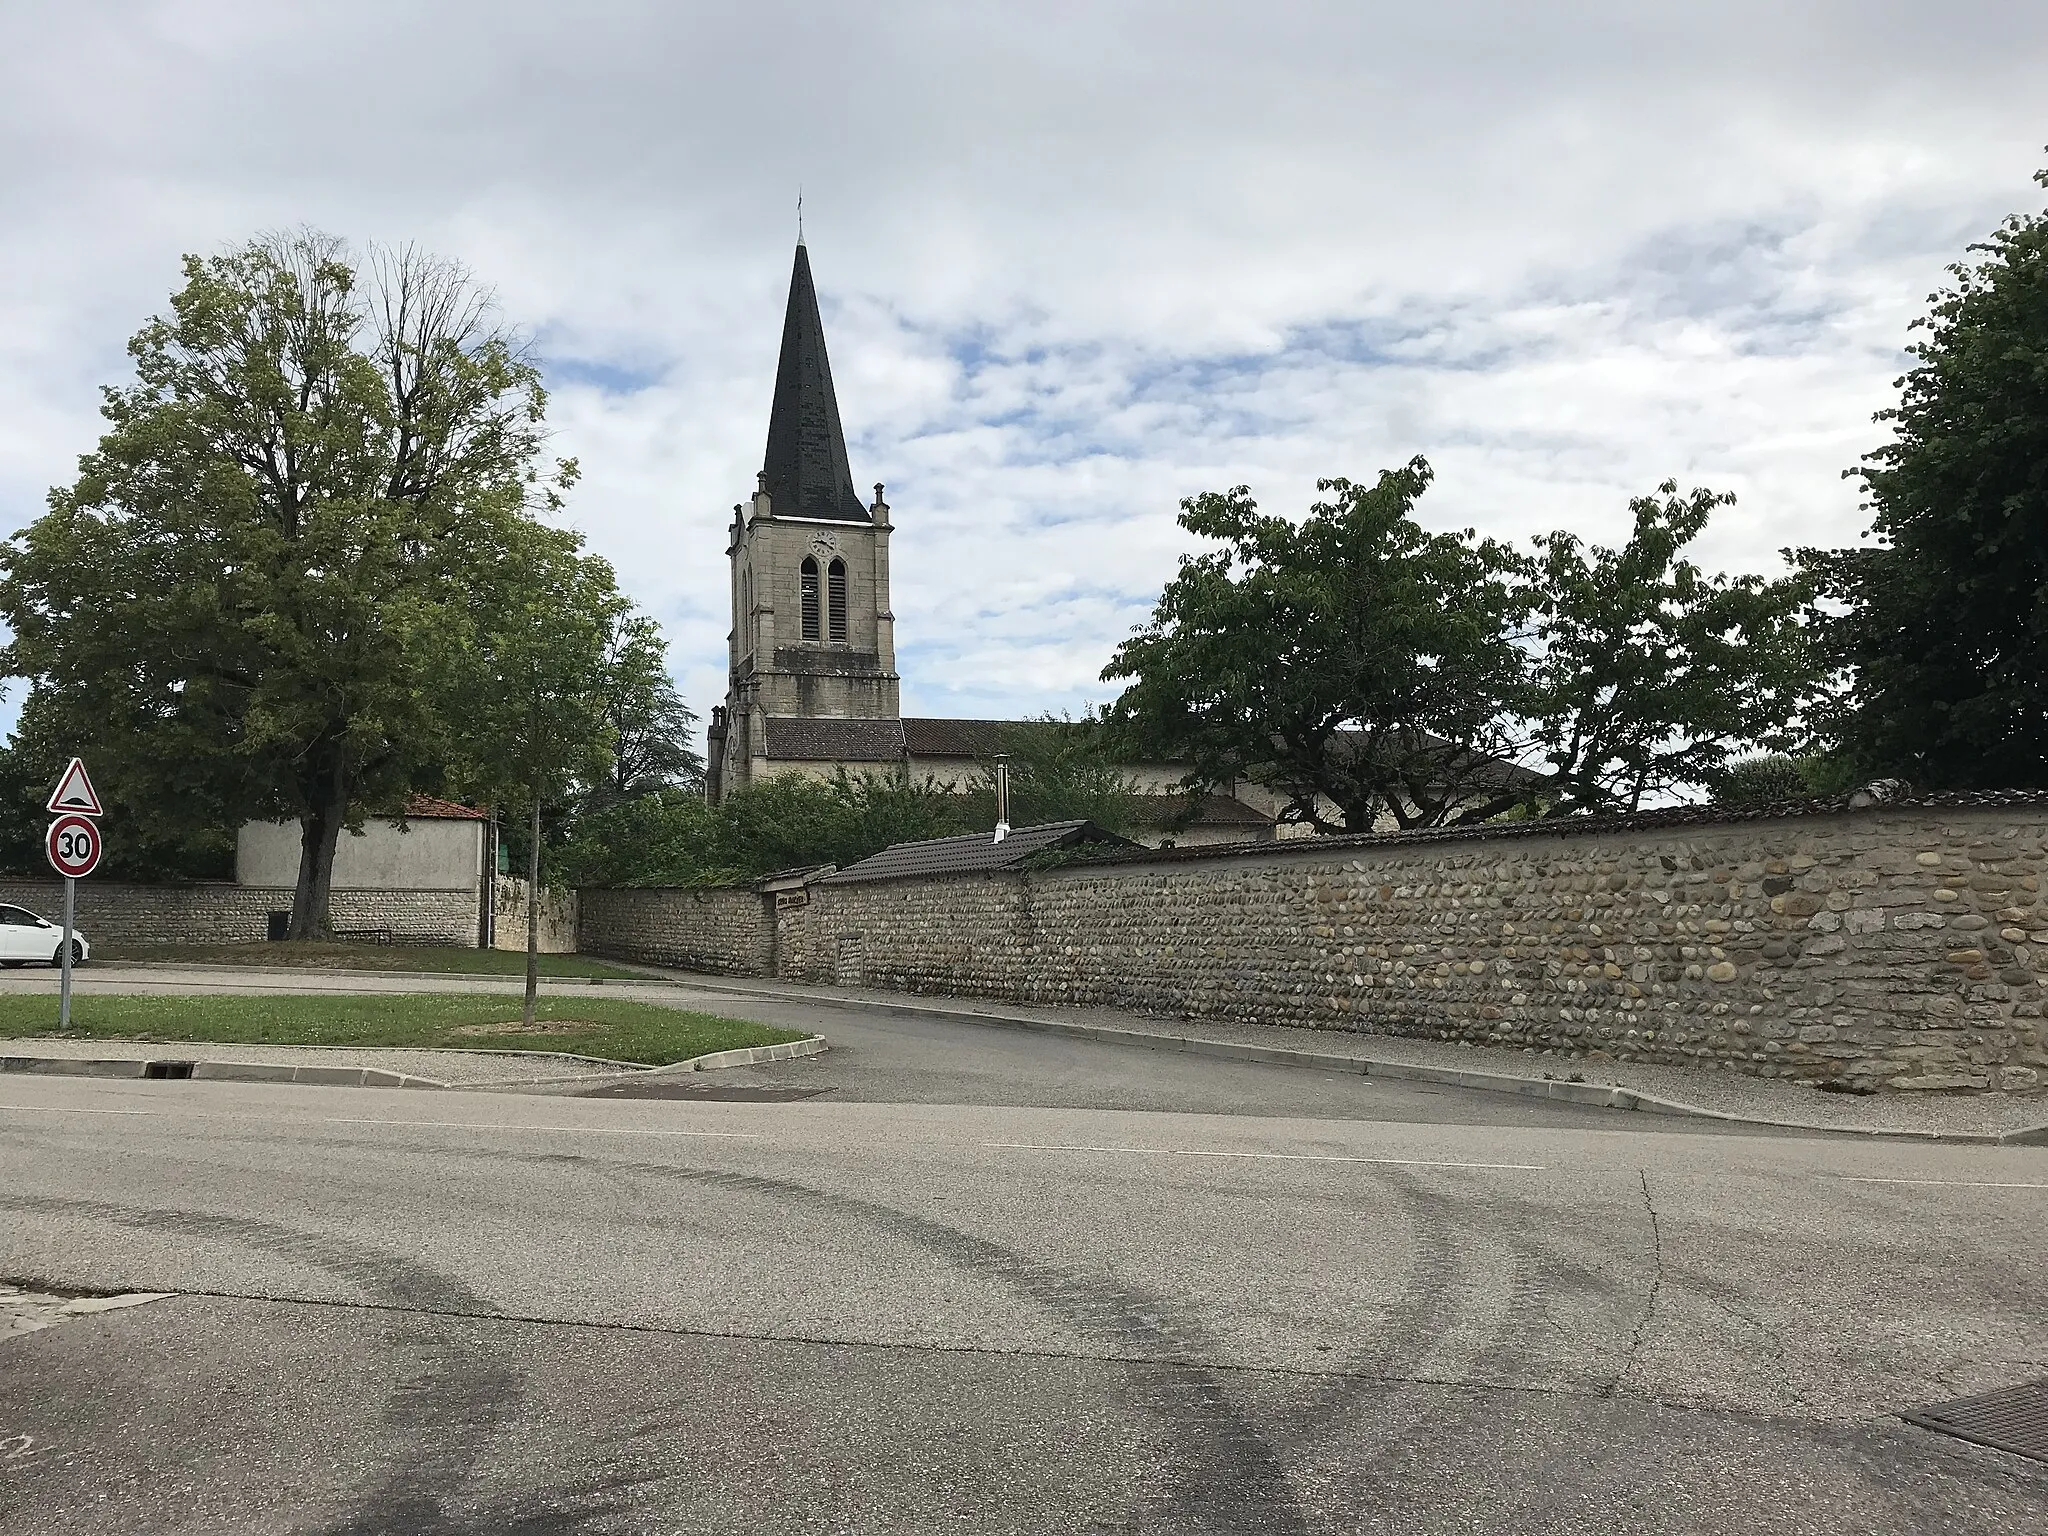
column 1077, row 260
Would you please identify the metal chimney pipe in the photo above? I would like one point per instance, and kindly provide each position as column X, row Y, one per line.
column 1002, row 795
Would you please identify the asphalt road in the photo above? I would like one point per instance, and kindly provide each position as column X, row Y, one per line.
column 879, row 1056
column 1286, row 1306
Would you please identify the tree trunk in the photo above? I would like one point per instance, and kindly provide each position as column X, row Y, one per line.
column 533, row 911
column 319, row 832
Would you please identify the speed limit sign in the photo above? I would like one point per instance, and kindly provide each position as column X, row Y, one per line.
column 73, row 844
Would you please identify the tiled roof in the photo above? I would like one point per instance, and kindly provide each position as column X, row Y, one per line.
column 1210, row 811
column 427, row 808
column 798, row 739
column 976, row 853
column 927, row 737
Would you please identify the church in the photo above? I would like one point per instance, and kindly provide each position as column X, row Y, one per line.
column 812, row 681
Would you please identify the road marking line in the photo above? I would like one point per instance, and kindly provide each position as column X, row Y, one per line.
column 1948, row 1184
column 459, row 1125
column 1292, row 1157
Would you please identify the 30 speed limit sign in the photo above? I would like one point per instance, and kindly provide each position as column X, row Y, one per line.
column 73, row 845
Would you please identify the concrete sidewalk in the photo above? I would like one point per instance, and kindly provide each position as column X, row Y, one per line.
column 354, row 1066
column 1998, row 1118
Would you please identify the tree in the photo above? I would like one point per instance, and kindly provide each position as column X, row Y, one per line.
column 1060, row 770
column 536, row 678
column 1939, row 634
column 649, row 724
column 667, row 837
column 30, row 765
column 792, row 820
column 1772, row 777
column 250, row 600
column 1354, row 662
column 1649, row 674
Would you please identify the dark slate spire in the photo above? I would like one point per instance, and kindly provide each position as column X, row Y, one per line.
column 805, row 470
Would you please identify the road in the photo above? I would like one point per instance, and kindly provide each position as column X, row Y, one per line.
column 996, row 1282
column 883, row 1056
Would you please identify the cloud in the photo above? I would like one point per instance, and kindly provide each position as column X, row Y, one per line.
column 1077, row 260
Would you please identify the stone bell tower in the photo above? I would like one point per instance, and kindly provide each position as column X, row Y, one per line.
column 812, row 668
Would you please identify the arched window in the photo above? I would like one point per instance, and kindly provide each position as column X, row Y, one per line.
column 835, row 611
column 747, row 612
column 810, row 594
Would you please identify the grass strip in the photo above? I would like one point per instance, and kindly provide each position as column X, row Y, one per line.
column 298, row 955
column 588, row 1026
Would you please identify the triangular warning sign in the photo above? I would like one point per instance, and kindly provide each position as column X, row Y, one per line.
column 75, row 792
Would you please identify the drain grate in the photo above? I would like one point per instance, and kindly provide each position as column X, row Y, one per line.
column 167, row 1071
column 2014, row 1420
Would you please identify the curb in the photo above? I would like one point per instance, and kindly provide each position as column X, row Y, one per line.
column 742, row 1056
column 1600, row 1095
column 141, row 1069
column 710, row 1061
column 343, row 972
column 214, row 1071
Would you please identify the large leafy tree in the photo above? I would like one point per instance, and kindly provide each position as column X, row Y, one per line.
column 1355, row 660
column 251, row 600
column 1940, row 632
column 1650, row 674
column 1361, row 666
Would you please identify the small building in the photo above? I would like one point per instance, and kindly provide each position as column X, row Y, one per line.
column 403, row 877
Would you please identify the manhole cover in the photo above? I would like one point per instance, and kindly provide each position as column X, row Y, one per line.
column 2014, row 1420
column 731, row 1092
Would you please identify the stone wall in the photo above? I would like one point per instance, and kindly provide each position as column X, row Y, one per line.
column 557, row 929
column 727, row 931
column 111, row 913
column 1898, row 947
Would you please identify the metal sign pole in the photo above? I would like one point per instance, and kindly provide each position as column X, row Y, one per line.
column 64, row 987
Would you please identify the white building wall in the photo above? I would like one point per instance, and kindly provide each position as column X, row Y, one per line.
column 424, row 855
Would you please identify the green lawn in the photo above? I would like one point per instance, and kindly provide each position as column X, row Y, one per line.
column 297, row 956
column 589, row 1026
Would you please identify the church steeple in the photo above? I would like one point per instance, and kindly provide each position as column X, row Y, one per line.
column 812, row 660
column 805, row 471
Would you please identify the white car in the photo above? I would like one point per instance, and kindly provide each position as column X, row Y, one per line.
column 24, row 938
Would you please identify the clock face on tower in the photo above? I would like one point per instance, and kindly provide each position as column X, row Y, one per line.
column 824, row 545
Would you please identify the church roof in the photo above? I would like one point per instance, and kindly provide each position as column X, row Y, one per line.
column 924, row 736
column 806, row 468
column 819, row 739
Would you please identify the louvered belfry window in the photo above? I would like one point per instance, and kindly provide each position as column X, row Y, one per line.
column 835, row 610
column 812, row 628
